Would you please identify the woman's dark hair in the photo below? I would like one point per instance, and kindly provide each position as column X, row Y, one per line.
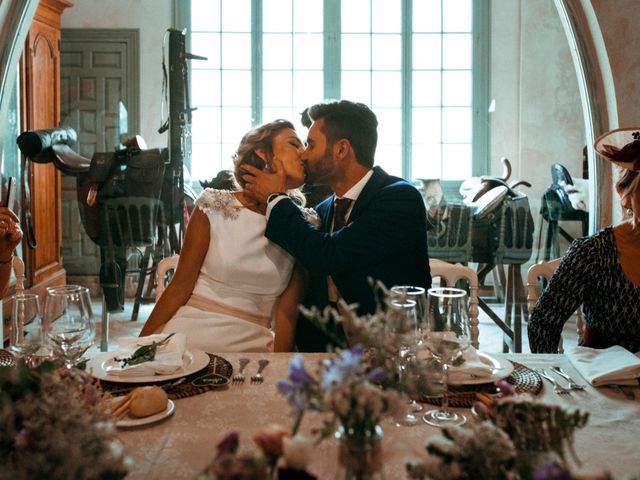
column 224, row 180
column 352, row 121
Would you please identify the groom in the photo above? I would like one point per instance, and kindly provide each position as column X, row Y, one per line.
column 374, row 226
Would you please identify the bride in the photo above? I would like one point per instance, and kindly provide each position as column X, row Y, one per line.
column 231, row 281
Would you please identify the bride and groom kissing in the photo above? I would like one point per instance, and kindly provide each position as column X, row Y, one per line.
column 252, row 256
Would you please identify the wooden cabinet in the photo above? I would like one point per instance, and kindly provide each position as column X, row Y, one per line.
column 40, row 94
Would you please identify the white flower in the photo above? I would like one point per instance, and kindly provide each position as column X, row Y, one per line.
column 297, row 451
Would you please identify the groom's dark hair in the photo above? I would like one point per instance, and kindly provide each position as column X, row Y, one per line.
column 353, row 121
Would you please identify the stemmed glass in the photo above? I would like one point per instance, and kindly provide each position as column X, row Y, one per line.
column 406, row 324
column 27, row 332
column 416, row 294
column 447, row 337
column 70, row 322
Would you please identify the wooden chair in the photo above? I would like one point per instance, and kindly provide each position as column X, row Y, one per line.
column 545, row 270
column 18, row 267
column 164, row 266
column 451, row 273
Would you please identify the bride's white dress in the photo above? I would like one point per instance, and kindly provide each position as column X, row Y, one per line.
column 241, row 278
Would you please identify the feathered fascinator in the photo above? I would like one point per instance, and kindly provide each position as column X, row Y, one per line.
column 621, row 146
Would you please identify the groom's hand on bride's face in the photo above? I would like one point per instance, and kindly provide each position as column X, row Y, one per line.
column 262, row 183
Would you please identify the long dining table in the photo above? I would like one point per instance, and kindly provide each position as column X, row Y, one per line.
column 183, row 444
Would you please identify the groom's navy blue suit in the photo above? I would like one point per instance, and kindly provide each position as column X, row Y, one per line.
column 385, row 238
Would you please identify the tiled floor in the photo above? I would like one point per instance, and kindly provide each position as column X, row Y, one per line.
column 490, row 338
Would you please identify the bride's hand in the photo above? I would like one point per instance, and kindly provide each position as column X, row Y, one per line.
column 261, row 183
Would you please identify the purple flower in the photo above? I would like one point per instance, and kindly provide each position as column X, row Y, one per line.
column 299, row 387
column 344, row 368
column 552, row 471
column 297, row 373
column 376, row 375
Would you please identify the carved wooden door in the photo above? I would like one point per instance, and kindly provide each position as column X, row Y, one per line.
column 40, row 98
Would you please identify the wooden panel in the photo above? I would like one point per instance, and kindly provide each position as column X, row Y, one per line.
column 40, row 94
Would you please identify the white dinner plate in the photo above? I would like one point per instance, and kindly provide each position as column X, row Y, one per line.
column 128, row 421
column 193, row 361
column 500, row 368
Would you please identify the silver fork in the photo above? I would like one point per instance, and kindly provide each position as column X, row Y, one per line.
column 257, row 378
column 239, row 377
column 572, row 384
column 559, row 389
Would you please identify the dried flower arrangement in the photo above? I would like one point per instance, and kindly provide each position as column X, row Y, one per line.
column 55, row 423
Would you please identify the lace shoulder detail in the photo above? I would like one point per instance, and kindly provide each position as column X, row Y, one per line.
column 211, row 200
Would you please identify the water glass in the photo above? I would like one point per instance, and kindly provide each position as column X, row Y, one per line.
column 26, row 330
column 70, row 323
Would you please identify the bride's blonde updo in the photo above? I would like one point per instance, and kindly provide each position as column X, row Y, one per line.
column 260, row 138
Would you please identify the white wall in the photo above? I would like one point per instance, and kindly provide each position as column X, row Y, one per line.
column 151, row 18
column 538, row 118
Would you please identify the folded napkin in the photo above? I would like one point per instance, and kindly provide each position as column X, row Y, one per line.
column 168, row 357
column 610, row 366
column 472, row 368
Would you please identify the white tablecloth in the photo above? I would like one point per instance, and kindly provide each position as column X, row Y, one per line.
column 182, row 445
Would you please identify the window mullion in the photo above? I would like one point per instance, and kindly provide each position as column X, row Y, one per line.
column 256, row 62
column 407, row 79
column 480, row 90
column 332, row 48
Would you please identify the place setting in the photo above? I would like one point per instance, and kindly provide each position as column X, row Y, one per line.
column 162, row 360
column 466, row 371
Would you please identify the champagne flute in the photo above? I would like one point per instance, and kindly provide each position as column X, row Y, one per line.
column 406, row 326
column 417, row 294
column 26, row 332
column 447, row 337
column 70, row 321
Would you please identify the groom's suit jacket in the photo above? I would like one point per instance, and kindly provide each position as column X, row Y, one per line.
column 385, row 239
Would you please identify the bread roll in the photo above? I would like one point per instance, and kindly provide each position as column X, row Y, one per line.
column 148, row 401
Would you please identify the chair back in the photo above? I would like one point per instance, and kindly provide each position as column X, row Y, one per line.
column 18, row 267
column 132, row 221
column 165, row 266
column 451, row 274
column 545, row 270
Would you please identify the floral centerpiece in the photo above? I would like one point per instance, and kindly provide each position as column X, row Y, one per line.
column 380, row 335
column 55, row 423
column 518, row 438
column 353, row 397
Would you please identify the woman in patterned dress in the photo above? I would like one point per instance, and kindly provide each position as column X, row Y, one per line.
column 233, row 288
column 600, row 272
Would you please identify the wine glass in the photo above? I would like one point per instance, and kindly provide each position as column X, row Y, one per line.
column 26, row 331
column 70, row 323
column 447, row 337
column 406, row 326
